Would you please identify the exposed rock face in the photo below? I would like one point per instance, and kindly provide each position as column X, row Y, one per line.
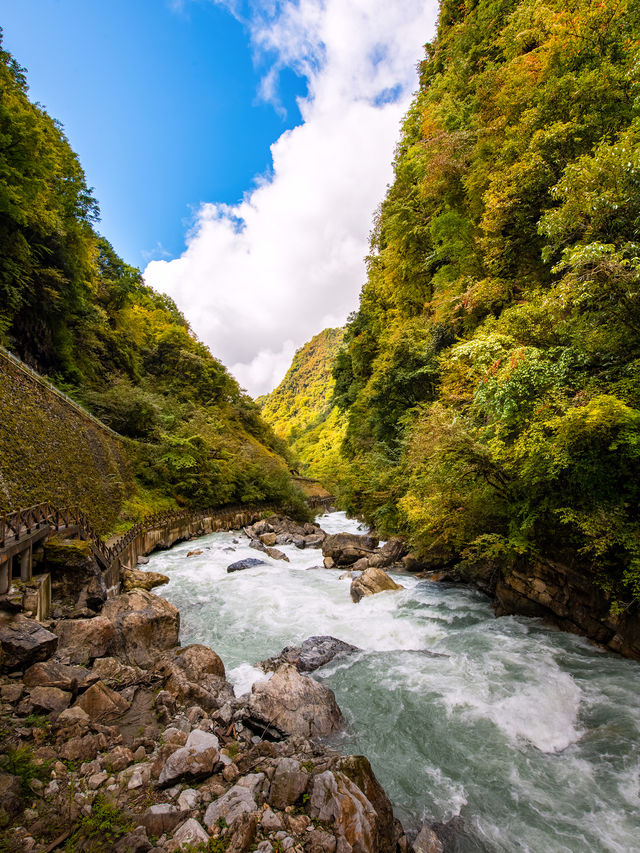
column 247, row 563
column 146, row 625
column 288, row 784
column 336, row 799
column 427, row 841
column 345, row 548
column 195, row 760
column 311, row 655
column 24, row 642
column 136, row 579
column 371, row 582
column 569, row 597
column 294, row 704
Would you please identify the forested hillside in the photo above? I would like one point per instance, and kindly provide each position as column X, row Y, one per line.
column 71, row 308
column 300, row 409
column 491, row 376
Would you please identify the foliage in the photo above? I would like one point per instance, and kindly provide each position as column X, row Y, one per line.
column 98, row 830
column 490, row 380
column 20, row 762
column 75, row 311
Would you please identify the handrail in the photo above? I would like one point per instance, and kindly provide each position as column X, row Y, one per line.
column 23, row 522
column 33, row 374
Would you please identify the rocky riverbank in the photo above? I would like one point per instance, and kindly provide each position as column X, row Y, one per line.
column 114, row 737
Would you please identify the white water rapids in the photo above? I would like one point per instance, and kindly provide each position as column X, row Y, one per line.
column 529, row 734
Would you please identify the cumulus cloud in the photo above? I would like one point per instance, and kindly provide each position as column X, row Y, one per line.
column 261, row 277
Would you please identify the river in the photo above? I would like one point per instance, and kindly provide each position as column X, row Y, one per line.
column 529, row 734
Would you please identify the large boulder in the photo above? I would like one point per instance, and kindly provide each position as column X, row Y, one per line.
column 371, row 582
column 247, row 563
column 391, row 552
column 293, row 704
column 24, row 642
column 194, row 675
column 146, row 625
column 52, row 673
column 99, row 701
column 349, row 796
column 313, row 653
column 83, row 640
column 195, row 760
column 345, row 548
column 137, row 579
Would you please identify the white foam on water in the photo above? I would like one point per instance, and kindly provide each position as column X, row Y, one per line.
column 529, row 734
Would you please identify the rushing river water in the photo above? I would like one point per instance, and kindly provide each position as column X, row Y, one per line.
column 529, row 734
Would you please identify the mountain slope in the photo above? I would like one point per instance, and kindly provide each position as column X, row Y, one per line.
column 491, row 376
column 73, row 310
column 300, row 408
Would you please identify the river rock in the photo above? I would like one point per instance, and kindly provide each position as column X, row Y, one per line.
column 195, row 675
column 391, row 552
column 268, row 539
column 427, row 841
column 136, row 579
column 146, row 625
column 275, row 554
column 52, row 673
column 371, row 582
column 293, row 704
column 99, row 702
column 24, row 642
column 196, row 759
column 336, row 799
column 345, row 548
column 83, row 640
column 311, row 655
column 239, row 800
column 247, row 563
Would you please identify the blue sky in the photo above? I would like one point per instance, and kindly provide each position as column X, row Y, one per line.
column 238, row 148
column 160, row 103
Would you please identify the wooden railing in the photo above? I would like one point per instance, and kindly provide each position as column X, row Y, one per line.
column 17, row 525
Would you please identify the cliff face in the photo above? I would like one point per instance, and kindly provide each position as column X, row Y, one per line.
column 50, row 451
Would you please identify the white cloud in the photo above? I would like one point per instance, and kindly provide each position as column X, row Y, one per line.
column 260, row 278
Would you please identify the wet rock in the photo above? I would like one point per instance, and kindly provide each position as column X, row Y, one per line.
column 247, row 563
column 389, row 553
column 142, row 561
column 100, row 701
column 268, row 539
column 49, row 699
column 136, row 579
column 52, row 673
column 239, row 800
column 195, row 760
column 288, row 784
column 427, row 841
column 358, row 769
column 371, row 582
column 195, row 553
column 146, row 625
column 83, row 640
column 275, row 554
column 315, row 540
column 345, row 548
column 294, row 704
column 190, row 833
column 24, row 642
column 313, row 653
